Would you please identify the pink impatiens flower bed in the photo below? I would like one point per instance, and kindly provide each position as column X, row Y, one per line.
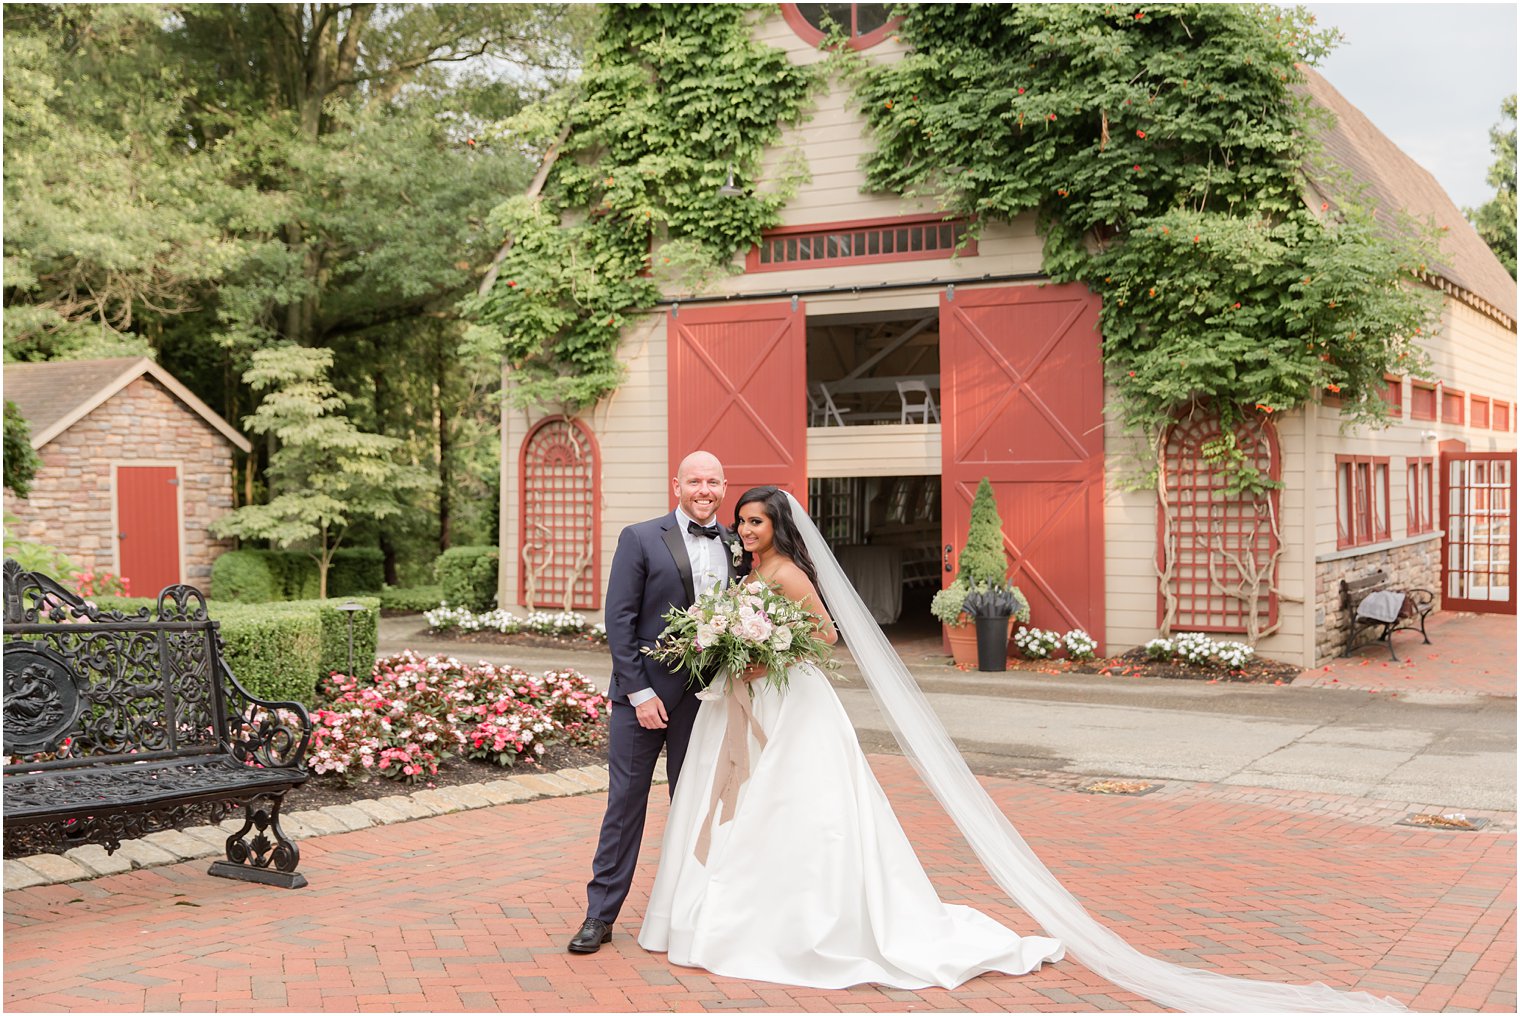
column 413, row 712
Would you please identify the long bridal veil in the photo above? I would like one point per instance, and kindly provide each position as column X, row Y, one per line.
column 1005, row 855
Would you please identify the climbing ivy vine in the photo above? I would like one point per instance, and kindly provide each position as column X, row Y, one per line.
column 1163, row 149
column 674, row 98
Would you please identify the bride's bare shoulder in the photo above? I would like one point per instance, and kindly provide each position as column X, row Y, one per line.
column 792, row 581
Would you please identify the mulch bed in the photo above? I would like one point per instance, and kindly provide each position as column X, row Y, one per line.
column 1135, row 664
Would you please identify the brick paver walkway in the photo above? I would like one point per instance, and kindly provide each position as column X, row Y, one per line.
column 1469, row 654
column 470, row 911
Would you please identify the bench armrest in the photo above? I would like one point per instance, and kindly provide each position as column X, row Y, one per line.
column 273, row 735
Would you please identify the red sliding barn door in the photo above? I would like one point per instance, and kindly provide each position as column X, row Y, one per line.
column 738, row 377
column 147, row 527
column 1022, row 387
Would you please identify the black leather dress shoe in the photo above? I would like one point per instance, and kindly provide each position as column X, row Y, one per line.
column 591, row 937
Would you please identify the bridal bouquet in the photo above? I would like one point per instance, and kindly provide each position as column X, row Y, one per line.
column 732, row 627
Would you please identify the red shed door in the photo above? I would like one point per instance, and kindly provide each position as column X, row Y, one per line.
column 738, row 379
column 1022, row 386
column 147, row 522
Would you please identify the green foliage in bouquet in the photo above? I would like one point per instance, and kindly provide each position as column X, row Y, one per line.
column 732, row 627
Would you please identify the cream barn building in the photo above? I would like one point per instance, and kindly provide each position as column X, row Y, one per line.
column 791, row 371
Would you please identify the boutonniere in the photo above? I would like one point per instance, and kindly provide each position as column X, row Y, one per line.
column 736, row 551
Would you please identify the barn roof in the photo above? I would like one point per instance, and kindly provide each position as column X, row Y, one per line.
column 54, row 396
column 1394, row 181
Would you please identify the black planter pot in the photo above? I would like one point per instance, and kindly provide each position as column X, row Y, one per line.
column 992, row 643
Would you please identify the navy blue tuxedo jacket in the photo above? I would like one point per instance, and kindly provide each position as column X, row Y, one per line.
column 650, row 574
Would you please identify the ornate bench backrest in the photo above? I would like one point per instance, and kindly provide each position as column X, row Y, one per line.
column 85, row 685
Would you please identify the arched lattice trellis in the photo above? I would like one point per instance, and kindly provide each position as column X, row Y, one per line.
column 1217, row 550
column 560, row 477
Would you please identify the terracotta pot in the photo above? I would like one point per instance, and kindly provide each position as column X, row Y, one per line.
column 962, row 638
column 962, row 643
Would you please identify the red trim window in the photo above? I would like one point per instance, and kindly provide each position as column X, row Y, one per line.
column 1421, row 481
column 1502, row 415
column 1361, row 500
column 559, row 541
column 1453, row 406
column 1422, row 401
column 1393, row 394
column 1480, row 406
column 1222, row 543
column 862, row 242
column 866, row 24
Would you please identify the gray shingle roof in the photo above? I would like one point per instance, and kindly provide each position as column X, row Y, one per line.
column 52, row 396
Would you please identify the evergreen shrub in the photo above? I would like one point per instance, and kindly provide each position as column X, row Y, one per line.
column 413, row 599
column 264, row 576
column 356, row 570
column 468, row 576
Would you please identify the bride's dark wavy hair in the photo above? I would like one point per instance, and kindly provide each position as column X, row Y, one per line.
column 787, row 538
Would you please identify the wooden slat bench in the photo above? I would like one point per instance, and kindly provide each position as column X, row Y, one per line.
column 1417, row 606
column 117, row 726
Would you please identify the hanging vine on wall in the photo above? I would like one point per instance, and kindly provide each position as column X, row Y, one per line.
column 1163, row 149
column 674, row 98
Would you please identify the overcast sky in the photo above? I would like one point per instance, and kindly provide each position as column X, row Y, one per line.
column 1431, row 77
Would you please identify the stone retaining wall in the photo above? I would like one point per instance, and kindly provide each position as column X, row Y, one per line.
column 1410, row 566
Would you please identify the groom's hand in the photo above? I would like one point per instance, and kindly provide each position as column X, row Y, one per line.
column 651, row 714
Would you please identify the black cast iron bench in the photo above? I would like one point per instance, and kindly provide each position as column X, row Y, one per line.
column 118, row 725
column 1417, row 605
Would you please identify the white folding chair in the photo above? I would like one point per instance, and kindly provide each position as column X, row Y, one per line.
column 824, row 408
column 922, row 407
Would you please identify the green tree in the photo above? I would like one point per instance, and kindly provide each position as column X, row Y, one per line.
column 21, row 460
column 201, row 181
column 983, row 558
column 1495, row 221
column 327, row 473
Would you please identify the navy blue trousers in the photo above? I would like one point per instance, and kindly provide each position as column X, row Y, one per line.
column 632, row 751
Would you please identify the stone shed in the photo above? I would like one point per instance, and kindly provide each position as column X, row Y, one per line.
column 134, row 469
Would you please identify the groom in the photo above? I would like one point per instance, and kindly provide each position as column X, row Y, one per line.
column 664, row 562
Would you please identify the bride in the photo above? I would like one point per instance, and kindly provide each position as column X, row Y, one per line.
column 807, row 879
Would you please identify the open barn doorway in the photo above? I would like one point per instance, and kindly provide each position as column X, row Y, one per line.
column 885, row 532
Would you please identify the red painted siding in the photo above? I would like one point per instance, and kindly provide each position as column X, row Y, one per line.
column 738, row 389
column 147, row 522
column 1022, row 385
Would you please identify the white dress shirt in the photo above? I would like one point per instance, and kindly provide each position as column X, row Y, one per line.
column 709, row 567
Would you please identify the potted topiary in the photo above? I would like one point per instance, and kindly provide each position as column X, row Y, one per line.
column 982, row 566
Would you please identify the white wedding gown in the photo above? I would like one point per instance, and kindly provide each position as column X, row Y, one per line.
column 813, row 881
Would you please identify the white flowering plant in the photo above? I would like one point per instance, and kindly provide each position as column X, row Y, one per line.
column 539, row 622
column 1079, row 645
column 1199, row 649
column 1036, row 643
column 732, row 627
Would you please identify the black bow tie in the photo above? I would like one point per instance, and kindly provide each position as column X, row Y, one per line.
column 711, row 532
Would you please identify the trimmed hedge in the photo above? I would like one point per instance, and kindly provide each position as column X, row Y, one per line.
column 274, row 652
column 468, row 576
column 263, row 576
column 415, row 599
column 282, row 650
column 356, row 570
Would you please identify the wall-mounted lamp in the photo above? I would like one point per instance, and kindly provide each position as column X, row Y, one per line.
column 729, row 188
column 1429, row 435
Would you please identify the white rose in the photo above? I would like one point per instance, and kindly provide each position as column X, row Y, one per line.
column 781, row 640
